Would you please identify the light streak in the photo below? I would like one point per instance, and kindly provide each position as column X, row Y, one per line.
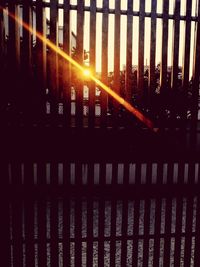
column 141, row 117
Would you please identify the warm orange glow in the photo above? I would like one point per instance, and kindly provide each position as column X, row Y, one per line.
column 86, row 72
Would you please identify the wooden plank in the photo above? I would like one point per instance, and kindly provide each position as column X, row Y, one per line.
column 78, row 216
column 116, row 81
column 128, row 81
column 66, row 78
column 176, row 38
column 13, row 55
column 186, row 59
column 26, row 61
column 53, row 60
column 42, row 213
column 92, row 86
column 27, row 39
column 178, row 231
column 156, row 250
column 66, row 216
column 54, row 216
column 29, row 216
column 197, row 235
column 113, row 217
column 104, row 97
column 80, row 57
column 147, row 208
column 136, row 232
column 124, row 217
column 2, row 38
column 5, row 255
column 90, row 203
column 152, row 78
column 16, row 178
column 140, row 73
column 167, row 240
column 40, row 60
column 163, row 72
column 188, row 231
column 196, row 75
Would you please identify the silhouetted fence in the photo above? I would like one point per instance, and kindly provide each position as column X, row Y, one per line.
column 38, row 81
column 93, row 197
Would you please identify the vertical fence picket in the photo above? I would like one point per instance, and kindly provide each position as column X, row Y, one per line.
column 197, row 235
column 104, row 62
column 42, row 217
column 26, row 58
column 29, row 215
column 90, row 217
column 125, row 218
column 66, row 72
column 178, row 231
column 140, row 78
column 136, row 232
column 152, row 79
column 17, row 215
column 186, row 59
column 116, row 81
column 163, row 72
column 54, row 250
column 129, row 51
column 5, row 220
column 53, row 60
column 66, row 216
column 78, row 217
column 157, row 231
column 2, row 48
column 80, row 57
column 195, row 85
column 175, row 63
column 92, row 88
column 101, row 219
column 40, row 62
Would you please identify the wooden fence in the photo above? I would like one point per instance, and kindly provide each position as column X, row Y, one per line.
column 43, row 83
column 89, row 197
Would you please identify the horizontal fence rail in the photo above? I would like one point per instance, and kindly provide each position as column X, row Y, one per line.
column 46, row 89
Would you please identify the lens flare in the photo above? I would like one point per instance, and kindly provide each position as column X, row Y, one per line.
column 141, row 117
column 86, row 73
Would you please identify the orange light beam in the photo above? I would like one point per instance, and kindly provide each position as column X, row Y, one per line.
column 141, row 117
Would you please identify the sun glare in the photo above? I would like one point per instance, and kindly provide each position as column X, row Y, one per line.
column 86, row 72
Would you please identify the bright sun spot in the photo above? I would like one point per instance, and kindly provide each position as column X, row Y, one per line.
column 86, row 72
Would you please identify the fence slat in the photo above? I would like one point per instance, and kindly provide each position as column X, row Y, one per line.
column 5, row 220
column 42, row 211
column 17, row 216
column 80, row 57
column 156, row 250
column 147, row 207
column 135, row 232
column 129, row 51
column 163, row 72
column 152, row 78
column 104, row 62
column 197, row 236
column 40, row 59
column 2, row 48
column 178, row 230
column 140, row 78
column 66, row 78
column 188, row 231
column 54, row 216
column 53, row 60
column 92, row 86
column 195, row 86
column 116, row 81
column 186, row 59
column 78, row 217
column 29, row 216
column 176, row 39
